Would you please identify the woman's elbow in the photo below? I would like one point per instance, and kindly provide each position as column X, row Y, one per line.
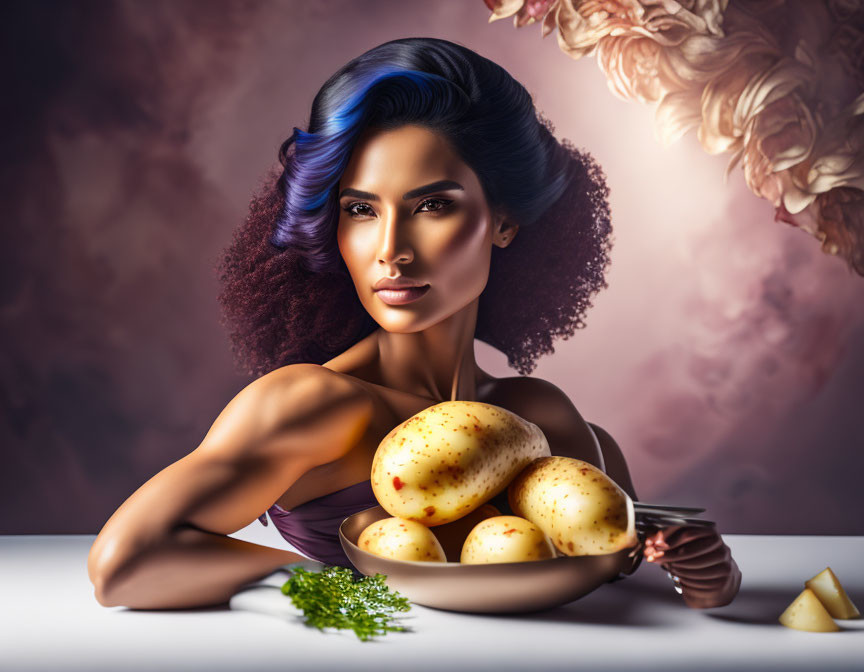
column 101, row 594
column 107, row 557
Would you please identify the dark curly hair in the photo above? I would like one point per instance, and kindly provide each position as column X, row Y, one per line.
column 287, row 295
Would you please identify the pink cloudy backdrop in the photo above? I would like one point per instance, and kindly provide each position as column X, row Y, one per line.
column 726, row 356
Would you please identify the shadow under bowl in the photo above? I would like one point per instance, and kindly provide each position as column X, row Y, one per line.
column 511, row 587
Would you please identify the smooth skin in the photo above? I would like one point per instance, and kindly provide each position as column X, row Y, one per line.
column 166, row 546
column 305, row 430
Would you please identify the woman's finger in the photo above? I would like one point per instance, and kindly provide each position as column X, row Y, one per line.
column 678, row 535
column 717, row 571
column 693, row 548
column 704, row 584
column 659, row 537
column 709, row 585
column 715, row 557
column 685, row 542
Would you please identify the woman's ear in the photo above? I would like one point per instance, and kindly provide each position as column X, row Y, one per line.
column 503, row 231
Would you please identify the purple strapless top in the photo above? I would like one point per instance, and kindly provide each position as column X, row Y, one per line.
column 313, row 527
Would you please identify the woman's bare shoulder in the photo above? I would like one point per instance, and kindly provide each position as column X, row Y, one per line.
column 288, row 398
column 307, row 378
column 539, row 397
column 548, row 406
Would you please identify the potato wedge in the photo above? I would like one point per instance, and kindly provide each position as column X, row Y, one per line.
column 807, row 613
column 830, row 592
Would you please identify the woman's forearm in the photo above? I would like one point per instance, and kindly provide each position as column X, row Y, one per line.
column 613, row 458
column 189, row 568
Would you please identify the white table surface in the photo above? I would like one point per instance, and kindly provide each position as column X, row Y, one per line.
column 49, row 620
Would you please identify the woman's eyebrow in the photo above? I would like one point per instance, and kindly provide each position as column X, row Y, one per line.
column 441, row 185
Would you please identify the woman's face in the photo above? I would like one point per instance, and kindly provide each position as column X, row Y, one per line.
column 411, row 209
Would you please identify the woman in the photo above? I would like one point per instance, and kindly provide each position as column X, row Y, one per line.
column 426, row 205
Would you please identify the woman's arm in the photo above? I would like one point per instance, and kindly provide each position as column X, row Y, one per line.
column 166, row 546
column 613, row 459
column 697, row 555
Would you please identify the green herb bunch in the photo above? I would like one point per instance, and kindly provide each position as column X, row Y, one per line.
column 332, row 598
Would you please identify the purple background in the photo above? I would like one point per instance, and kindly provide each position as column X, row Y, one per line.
column 726, row 357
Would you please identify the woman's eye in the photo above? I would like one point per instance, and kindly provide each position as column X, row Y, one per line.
column 361, row 209
column 364, row 210
column 434, row 204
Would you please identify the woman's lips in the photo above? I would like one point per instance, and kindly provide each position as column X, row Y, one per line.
column 398, row 297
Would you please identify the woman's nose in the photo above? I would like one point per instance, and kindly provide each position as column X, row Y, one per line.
column 393, row 245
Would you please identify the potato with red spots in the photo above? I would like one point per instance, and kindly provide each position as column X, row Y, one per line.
column 400, row 539
column 582, row 510
column 506, row 539
column 445, row 461
column 452, row 535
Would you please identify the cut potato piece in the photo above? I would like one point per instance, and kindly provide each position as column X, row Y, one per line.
column 808, row 613
column 827, row 587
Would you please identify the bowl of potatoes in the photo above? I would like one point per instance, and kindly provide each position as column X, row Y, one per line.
column 440, row 541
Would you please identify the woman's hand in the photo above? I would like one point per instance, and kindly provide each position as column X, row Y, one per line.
column 697, row 555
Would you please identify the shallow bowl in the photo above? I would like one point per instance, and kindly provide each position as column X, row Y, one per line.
column 511, row 587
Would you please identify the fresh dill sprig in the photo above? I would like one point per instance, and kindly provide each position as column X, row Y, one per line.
column 332, row 598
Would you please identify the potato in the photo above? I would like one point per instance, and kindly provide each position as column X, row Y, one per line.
column 807, row 613
column 827, row 588
column 506, row 539
column 450, row 458
column 401, row 539
column 452, row 535
column 582, row 510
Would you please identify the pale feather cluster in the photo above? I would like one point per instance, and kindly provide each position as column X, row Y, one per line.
column 779, row 84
